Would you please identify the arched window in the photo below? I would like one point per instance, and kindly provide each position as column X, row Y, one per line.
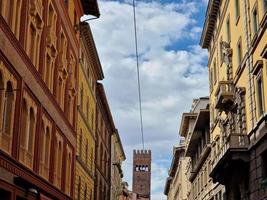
column 7, row 124
column 47, row 72
column 59, row 90
column 68, row 108
column 31, row 134
column 2, row 100
column 47, row 145
column 87, row 108
column 24, row 131
column 86, row 153
column 24, row 124
column 59, row 164
column 80, row 143
column 79, row 188
column 92, row 157
column 42, row 149
column 8, row 109
column 68, row 172
column 85, row 192
column 45, row 151
column 101, row 156
column 81, row 97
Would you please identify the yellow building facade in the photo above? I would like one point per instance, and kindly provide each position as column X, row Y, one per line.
column 89, row 72
column 235, row 35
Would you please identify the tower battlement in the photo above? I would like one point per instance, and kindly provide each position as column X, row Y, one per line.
column 142, row 152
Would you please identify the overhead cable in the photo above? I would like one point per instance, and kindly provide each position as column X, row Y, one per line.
column 138, row 74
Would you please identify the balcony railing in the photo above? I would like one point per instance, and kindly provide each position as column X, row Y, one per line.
column 233, row 143
column 225, row 94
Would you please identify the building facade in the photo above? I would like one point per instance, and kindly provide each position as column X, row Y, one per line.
column 195, row 128
column 105, row 129
column 189, row 173
column 142, row 174
column 38, row 97
column 177, row 184
column 90, row 72
column 117, row 157
column 235, row 35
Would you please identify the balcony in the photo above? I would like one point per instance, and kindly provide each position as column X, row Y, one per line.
column 200, row 161
column 233, row 153
column 225, row 95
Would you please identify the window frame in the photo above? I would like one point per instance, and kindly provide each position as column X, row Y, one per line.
column 260, row 96
column 228, row 29
column 237, row 11
column 255, row 19
column 239, row 51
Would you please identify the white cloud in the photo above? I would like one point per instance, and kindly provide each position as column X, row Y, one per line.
column 170, row 77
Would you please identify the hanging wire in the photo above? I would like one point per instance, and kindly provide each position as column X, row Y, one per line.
column 138, row 75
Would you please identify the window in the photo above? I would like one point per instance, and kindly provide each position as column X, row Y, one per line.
column 45, row 151
column 215, row 72
column 237, row 9
column 81, row 97
column 5, row 195
column 239, row 52
column 221, row 51
column 58, row 161
column 68, row 171
column 87, row 108
column 86, row 153
column 27, row 137
column 264, row 166
column 80, row 144
column 32, row 44
column 31, row 133
column 92, row 157
column 228, row 30
column 255, row 20
column 66, row 3
column 24, row 119
column 211, row 80
column 264, row 5
column 7, row 125
column 2, row 100
column 79, row 189
column 85, row 191
column 260, row 94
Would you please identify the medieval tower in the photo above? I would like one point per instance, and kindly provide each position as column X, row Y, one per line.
column 142, row 173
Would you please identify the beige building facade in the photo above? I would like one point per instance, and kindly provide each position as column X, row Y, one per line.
column 117, row 157
column 177, row 185
column 192, row 161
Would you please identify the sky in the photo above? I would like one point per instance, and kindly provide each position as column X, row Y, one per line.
column 173, row 71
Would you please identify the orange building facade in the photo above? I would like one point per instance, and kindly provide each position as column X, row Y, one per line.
column 39, row 52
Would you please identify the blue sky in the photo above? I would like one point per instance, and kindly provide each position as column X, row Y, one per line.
column 173, row 72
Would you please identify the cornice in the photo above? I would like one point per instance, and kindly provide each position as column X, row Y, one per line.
column 210, row 22
column 87, row 37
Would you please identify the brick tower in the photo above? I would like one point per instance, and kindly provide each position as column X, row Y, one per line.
column 142, row 173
